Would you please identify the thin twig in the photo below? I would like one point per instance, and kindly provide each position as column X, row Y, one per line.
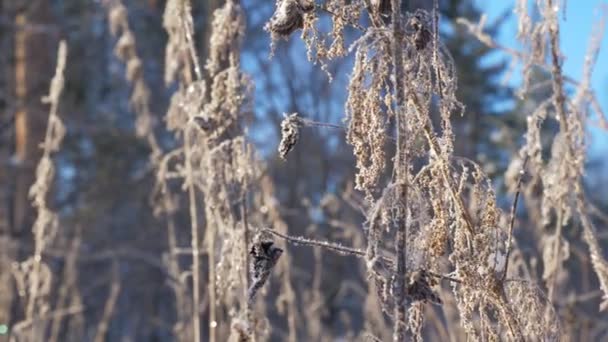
column 344, row 250
column 39, row 190
column 186, row 18
column 401, row 176
column 476, row 31
column 512, row 219
column 559, row 100
column 444, row 277
column 108, row 311
column 325, row 244
column 434, row 146
column 67, row 284
column 73, row 310
column 188, row 28
column 308, row 122
column 312, row 123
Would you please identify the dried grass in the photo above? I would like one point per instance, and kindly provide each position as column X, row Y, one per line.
column 433, row 231
column 444, row 215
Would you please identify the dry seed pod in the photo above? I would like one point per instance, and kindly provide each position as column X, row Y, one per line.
column 125, row 47
column 134, row 69
column 419, row 288
column 204, row 123
column 422, row 36
column 287, row 18
column 290, row 133
column 264, row 255
column 381, row 6
column 117, row 18
column 307, row 5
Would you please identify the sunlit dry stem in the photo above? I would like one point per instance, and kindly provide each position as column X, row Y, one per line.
column 329, row 245
column 434, row 145
column 476, row 30
column 312, row 123
column 401, row 175
column 246, row 247
column 186, row 19
column 141, row 107
column 188, row 28
column 284, row 265
column 344, row 250
column 595, row 250
column 55, row 314
column 68, row 281
column 512, row 217
column 509, row 317
column 196, row 251
column 559, row 99
column 110, row 306
column 39, row 190
column 436, row 42
column 556, row 72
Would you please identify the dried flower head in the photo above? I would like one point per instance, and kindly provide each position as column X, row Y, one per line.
column 422, row 36
column 176, row 52
column 368, row 107
column 264, row 255
column 307, row 5
column 226, row 37
column 419, row 287
column 381, row 6
column 290, row 132
column 117, row 17
column 288, row 17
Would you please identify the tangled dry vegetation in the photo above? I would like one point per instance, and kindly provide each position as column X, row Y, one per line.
column 438, row 251
column 440, row 210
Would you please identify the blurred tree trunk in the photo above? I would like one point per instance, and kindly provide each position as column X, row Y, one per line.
column 6, row 289
column 34, row 64
column 6, row 240
column 32, row 50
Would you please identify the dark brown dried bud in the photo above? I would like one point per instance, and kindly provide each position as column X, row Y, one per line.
column 264, row 256
column 419, row 288
column 381, row 6
column 287, row 18
column 422, row 36
column 206, row 124
column 307, row 5
column 290, row 132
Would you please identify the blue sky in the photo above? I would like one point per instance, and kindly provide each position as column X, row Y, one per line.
column 582, row 16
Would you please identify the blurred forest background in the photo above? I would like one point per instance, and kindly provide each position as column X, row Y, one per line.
column 110, row 255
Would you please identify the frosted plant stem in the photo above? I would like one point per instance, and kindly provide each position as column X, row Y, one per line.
column 188, row 31
column 512, row 219
column 53, row 137
column 401, row 174
column 246, row 246
column 196, row 252
column 68, row 281
column 110, row 306
column 434, row 145
column 299, row 240
column 329, row 245
column 560, row 107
